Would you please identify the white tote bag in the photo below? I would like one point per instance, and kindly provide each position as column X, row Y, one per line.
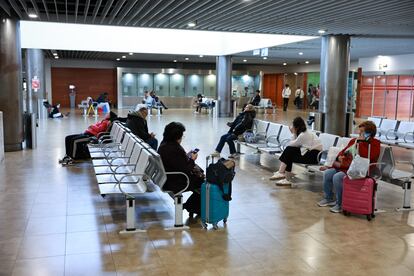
column 359, row 166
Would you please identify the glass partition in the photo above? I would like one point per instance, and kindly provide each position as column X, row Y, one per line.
column 210, row 86
column 161, row 84
column 145, row 83
column 194, row 85
column 242, row 86
column 129, row 84
column 177, row 85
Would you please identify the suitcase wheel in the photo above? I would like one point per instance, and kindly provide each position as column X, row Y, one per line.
column 204, row 225
column 215, row 226
column 346, row 213
column 373, row 215
column 369, row 217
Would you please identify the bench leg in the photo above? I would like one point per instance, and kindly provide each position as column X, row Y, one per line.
column 178, row 223
column 238, row 148
column 130, row 218
column 407, row 198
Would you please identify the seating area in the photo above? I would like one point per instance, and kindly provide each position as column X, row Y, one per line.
column 394, row 132
column 271, row 138
column 126, row 165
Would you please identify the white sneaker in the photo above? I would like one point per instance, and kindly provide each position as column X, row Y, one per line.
column 233, row 156
column 336, row 209
column 326, row 202
column 284, row 182
column 215, row 154
column 277, row 175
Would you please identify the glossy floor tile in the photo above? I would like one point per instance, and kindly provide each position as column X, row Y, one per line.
column 54, row 222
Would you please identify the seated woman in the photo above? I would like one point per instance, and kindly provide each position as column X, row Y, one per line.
column 334, row 176
column 176, row 159
column 304, row 149
column 243, row 122
column 200, row 104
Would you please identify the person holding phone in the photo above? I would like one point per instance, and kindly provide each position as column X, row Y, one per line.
column 334, row 176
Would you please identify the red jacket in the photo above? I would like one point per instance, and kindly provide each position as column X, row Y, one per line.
column 363, row 152
column 99, row 127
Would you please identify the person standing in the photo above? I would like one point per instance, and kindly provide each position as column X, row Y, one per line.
column 309, row 96
column 299, row 95
column 286, row 95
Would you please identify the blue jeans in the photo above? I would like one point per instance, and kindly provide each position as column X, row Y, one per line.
column 333, row 178
column 153, row 143
column 229, row 138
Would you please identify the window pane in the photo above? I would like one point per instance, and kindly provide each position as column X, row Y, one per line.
column 145, row 83
column 161, row 84
column 129, row 84
column 194, row 85
column 177, row 85
column 210, row 86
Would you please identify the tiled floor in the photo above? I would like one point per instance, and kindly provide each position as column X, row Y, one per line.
column 53, row 222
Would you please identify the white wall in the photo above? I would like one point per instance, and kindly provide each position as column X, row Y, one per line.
column 396, row 63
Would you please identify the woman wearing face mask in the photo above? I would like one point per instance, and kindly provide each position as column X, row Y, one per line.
column 334, row 176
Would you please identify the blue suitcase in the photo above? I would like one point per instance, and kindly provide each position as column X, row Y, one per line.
column 213, row 207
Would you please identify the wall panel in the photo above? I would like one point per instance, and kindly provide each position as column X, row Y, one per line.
column 89, row 82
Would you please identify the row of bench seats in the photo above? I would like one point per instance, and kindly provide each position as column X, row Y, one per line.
column 393, row 132
column 272, row 138
column 124, row 164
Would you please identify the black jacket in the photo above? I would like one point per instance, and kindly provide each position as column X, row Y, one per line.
column 138, row 125
column 175, row 159
column 256, row 100
column 243, row 122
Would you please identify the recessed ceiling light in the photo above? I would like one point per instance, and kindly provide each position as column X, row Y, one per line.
column 264, row 57
column 123, row 56
column 56, row 57
column 244, row 60
column 322, row 31
column 131, row 54
column 186, row 58
column 201, row 56
column 295, row 74
column 300, row 53
column 32, row 14
column 118, row 59
column 192, row 24
column 175, row 60
column 307, row 62
column 55, row 54
column 284, row 63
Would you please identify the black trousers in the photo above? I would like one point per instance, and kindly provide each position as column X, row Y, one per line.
column 293, row 155
column 73, row 144
column 285, row 103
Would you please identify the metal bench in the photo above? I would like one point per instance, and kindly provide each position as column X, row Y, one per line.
column 260, row 128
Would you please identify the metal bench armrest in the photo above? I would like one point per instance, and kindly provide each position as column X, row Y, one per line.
column 187, row 180
column 408, row 134
column 391, row 132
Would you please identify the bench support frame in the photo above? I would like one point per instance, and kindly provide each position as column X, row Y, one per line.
column 130, row 218
column 178, row 222
column 407, row 197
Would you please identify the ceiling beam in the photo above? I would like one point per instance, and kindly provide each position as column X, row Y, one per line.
column 116, row 10
column 76, row 10
column 150, row 9
column 15, row 7
column 106, row 10
column 36, row 8
column 88, row 2
column 95, row 10
column 137, row 10
column 56, row 10
column 5, row 7
column 126, row 10
column 46, row 9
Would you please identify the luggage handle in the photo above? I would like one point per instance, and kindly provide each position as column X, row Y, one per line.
column 208, row 158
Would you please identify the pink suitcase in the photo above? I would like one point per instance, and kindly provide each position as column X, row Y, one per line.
column 358, row 196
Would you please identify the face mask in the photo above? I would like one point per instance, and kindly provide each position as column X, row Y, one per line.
column 367, row 135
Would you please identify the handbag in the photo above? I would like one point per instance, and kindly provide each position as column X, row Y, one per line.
column 249, row 137
column 359, row 166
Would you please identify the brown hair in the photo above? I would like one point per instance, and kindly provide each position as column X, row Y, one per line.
column 369, row 127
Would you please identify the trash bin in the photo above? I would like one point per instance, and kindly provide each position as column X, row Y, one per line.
column 72, row 98
column 30, row 134
column 43, row 114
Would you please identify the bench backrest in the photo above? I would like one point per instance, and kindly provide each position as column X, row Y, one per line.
column 130, row 144
column 377, row 121
column 143, row 159
column 260, row 127
column 328, row 140
column 265, row 102
column 155, row 170
column 405, row 127
column 273, row 129
column 343, row 142
column 388, row 124
column 284, row 134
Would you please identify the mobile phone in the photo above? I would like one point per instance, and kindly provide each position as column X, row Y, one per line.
column 196, row 151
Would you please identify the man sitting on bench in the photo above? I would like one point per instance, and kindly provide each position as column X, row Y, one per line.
column 137, row 123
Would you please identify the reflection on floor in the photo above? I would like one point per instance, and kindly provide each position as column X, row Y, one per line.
column 53, row 222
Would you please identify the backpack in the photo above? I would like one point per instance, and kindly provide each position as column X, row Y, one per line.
column 249, row 137
column 221, row 173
